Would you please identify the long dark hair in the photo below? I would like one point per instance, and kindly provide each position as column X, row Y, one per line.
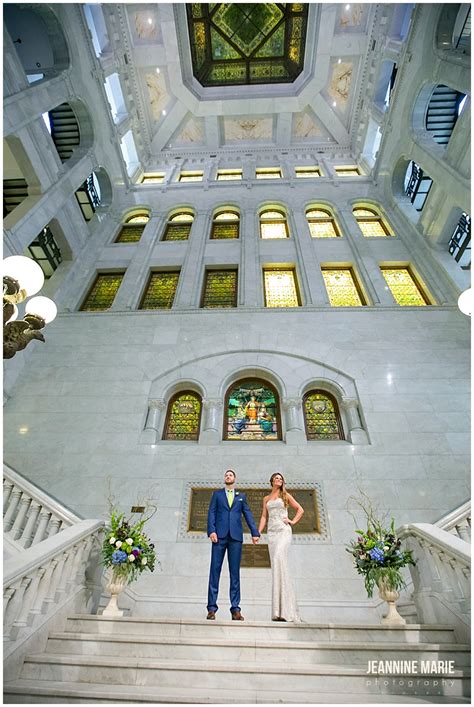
column 281, row 491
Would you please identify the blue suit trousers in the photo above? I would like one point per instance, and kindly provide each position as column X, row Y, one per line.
column 234, row 555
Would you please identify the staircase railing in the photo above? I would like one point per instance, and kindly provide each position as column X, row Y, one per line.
column 42, row 583
column 458, row 522
column 441, row 577
column 30, row 515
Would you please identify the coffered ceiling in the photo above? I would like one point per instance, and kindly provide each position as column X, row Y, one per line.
column 171, row 109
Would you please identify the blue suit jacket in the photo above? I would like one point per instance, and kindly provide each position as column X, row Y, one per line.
column 228, row 521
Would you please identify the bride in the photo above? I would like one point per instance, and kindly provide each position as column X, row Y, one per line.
column 275, row 510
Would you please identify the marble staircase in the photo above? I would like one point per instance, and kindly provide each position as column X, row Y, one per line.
column 136, row 659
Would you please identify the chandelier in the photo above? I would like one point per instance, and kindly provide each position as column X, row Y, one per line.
column 22, row 278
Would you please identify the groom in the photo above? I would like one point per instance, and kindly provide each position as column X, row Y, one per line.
column 224, row 528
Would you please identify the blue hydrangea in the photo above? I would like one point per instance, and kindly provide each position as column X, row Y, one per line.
column 119, row 556
column 377, row 554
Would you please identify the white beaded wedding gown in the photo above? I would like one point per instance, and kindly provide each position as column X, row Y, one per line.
column 279, row 536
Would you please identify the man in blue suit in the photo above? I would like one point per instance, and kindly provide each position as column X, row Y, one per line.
column 224, row 528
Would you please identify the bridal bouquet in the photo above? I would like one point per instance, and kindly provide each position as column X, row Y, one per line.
column 126, row 548
column 377, row 553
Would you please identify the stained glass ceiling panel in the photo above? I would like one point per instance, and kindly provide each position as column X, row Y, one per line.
column 247, row 43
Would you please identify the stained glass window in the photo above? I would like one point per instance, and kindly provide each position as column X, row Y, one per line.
column 252, row 412
column 268, row 173
column 178, row 227
column 160, row 290
column 220, row 289
column 342, row 287
column 273, row 224
column 103, row 291
column 227, row 175
column 404, row 287
column 191, row 176
column 157, row 178
column 321, row 224
column 247, row 43
column 130, row 233
column 280, row 288
column 183, row 418
column 138, row 218
column 322, row 416
column 371, row 223
column 307, row 172
column 347, row 171
column 225, row 225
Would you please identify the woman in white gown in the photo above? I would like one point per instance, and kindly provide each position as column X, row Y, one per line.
column 279, row 533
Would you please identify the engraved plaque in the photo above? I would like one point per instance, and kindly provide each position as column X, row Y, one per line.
column 255, row 556
column 201, row 497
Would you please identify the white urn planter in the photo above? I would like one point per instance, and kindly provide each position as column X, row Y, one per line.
column 116, row 585
column 390, row 596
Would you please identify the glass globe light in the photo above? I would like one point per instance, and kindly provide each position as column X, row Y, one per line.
column 26, row 271
column 465, row 302
column 42, row 307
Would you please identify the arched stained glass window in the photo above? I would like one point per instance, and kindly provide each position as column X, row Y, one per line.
column 225, row 224
column 178, row 227
column 371, row 223
column 133, row 227
column 183, row 417
column 321, row 223
column 252, row 412
column 321, row 416
column 273, row 224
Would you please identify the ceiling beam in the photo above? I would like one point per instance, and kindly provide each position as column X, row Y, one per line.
column 330, row 120
column 168, row 127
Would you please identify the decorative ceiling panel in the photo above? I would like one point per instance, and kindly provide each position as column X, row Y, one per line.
column 247, row 43
column 157, row 93
column 307, row 127
column 248, row 129
column 190, row 132
column 340, row 83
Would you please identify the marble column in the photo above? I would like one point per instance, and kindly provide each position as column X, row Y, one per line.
column 211, row 426
column 357, row 434
column 151, row 430
column 295, row 433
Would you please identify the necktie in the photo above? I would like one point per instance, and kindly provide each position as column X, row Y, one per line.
column 230, row 497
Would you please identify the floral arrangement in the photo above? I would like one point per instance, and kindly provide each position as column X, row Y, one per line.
column 377, row 552
column 126, row 548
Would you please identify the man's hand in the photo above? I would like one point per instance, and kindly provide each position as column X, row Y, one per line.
column 213, row 537
column 255, row 540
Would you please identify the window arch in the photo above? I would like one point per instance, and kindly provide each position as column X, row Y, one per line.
column 133, row 226
column 178, row 226
column 371, row 222
column 183, row 417
column 321, row 416
column 322, row 223
column 225, row 224
column 252, row 411
column 273, row 224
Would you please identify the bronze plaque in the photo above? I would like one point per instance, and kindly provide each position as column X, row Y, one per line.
column 255, row 556
column 200, row 499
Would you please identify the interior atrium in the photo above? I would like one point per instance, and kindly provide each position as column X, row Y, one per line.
column 254, row 222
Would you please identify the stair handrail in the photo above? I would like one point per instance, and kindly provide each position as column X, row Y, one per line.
column 456, row 519
column 29, row 513
column 441, row 576
column 61, row 573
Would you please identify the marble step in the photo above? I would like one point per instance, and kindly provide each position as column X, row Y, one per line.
column 260, row 650
column 205, row 674
column 262, row 630
column 50, row 692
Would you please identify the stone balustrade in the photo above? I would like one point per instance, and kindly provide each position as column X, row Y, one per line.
column 441, row 577
column 41, row 579
column 29, row 515
column 458, row 522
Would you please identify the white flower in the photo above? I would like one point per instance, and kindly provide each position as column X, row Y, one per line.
column 131, row 558
column 144, row 561
column 112, row 540
column 118, row 543
column 129, row 541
